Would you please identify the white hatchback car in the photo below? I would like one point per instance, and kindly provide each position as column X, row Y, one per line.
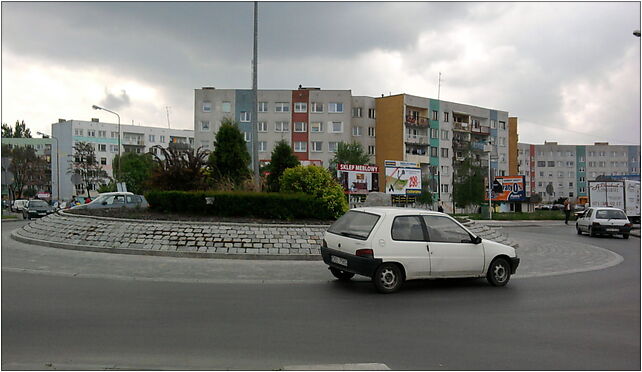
column 604, row 221
column 392, row 245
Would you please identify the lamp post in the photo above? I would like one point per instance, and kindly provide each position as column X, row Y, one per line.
column 490, row 193
column 115, row 113
column 57, row 165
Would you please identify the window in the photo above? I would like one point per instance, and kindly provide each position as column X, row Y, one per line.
column 299, row 126
column 446, row 117
column 152, row 138
column 262, row 146
column 407, row 228
column 248, row 136
column 282, row 107
column 300, row 107
column 102, row 147
column 316, row 146
column 445, row 170
column 78, row 132
column 551, row 163
column 207, row 106
column 282, row 126
column 445, row 230
column 444, row 188
column 91, row 133
column 541, row 163
column 263, row 107
column 162, row 139
column 371, row 131
column 226, row 107
column 114, row 134
column 263, row 127
column 103, row 161
column 371, row 150
column 502, row 125
column 356, row 131
column 337, row 127
column 356, row 112
column 560, row 174
column 316, row 107
column 332, row 146
column 541, row 174
column 434, row 133
column 113, row 148
column 435, row 115
column 582, row 179
column 570, row 184
column 502, row 141
column 245, row 117
column 433, row 152
column 102, row 134
column 444, row 134
column 372, row 113
column 444, row 153
column 539, row 184
column 559, row 163
column 205, row 125
column 493, row 124
column 335, row 107
column 357, row 223
column 316, row 127
column 300, row 146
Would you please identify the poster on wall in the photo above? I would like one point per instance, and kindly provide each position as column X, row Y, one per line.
column 512, row 188
column 402, row 177
column 358, row 179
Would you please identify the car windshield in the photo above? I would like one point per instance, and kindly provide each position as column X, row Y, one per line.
column 38, row 203
column 610, row 214
column 355, row 224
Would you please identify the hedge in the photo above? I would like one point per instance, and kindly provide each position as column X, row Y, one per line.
column 283, row 206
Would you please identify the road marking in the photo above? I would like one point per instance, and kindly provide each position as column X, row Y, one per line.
column 339, row 367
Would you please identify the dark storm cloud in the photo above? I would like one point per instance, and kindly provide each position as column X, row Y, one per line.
column 115, row 102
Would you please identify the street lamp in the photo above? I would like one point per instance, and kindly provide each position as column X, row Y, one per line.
column 120, row 160
column 57, row 165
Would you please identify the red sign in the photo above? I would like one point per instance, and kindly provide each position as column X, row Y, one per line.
column 358, row 168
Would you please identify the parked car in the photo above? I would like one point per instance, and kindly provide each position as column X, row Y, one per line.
column 18, row 205
column 604, row 221
column 578, row 210
column 115, row 200
column 36, row 208
column 392, row 245
column 543, row 207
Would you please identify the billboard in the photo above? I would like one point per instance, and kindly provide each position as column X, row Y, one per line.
column 402, row 177
column 358, row 179
column 512, row 189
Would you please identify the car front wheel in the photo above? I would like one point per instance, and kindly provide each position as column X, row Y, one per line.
column 625, row 236
column 387, row 278
column 591, row 232
column 340, row 274
column 498, row 272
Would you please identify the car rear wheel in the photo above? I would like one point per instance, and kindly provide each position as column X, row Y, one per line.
column 387, row 278
column 499, row 272
column 625, row 236
column 340, row 274
column 591, row 232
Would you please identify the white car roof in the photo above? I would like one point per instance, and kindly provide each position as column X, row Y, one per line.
column 116, row 193
column 608, row 208
column 395, row 211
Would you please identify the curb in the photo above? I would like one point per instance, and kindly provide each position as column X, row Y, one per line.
column 146, row 252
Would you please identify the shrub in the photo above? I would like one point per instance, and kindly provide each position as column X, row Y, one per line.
column 240, row 204
column 317, row 182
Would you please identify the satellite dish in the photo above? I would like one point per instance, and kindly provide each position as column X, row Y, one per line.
column 76, row 179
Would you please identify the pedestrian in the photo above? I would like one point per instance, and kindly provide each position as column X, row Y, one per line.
column 567, row 210
column 440, row 208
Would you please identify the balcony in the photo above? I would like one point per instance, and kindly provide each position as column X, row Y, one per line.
column 481, row 130
column 417, row 121
column 417, row 140
column 479, row 146
column 133, row 142
column 462, row 127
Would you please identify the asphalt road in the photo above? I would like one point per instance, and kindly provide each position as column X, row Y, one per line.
column 54, row 317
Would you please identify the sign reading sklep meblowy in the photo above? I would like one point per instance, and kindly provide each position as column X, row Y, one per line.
column 402, row 177
column 358, row 179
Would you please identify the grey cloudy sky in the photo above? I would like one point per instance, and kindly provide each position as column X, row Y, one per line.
column 569, row 71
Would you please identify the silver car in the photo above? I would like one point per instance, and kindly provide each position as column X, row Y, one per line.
column 115, row 200
column 604, row 221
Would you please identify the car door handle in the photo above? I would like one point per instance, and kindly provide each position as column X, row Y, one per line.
column 428, row 247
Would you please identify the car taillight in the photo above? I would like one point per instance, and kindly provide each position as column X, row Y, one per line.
column 365, row 253
column 628, row 225
column 324, row 244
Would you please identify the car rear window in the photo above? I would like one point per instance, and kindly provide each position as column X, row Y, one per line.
column 357, row 225
column 607, row 214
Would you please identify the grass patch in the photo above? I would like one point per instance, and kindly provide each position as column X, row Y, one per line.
column 9, row 217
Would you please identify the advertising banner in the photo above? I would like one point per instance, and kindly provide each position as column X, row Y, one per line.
column 512, row 189
column 358, row 179
column 402, row 178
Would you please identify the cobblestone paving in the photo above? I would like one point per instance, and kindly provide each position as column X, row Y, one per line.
column 190, row 238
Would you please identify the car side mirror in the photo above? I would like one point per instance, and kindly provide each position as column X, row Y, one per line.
column 104, row 203
column 477, row 240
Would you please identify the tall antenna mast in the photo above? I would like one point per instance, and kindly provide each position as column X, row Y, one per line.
column 167, row 110
column 439, row 87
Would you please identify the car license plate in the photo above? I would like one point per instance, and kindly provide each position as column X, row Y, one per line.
column 612, row 229
column 339, row 260
column 42, row 213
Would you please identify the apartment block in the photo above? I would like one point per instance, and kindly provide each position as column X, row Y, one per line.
column 311, row 120
column 104, row 139
column 554, row 171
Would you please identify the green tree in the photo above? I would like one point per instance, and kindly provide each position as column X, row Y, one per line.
column 468, row 184
column 230, row 159
column 178, row 169
column 136, row 170
column 282, row 158
column 27, row 168
column 20, row 130
column 85, row 164
column 318, row 182
column 348, row 153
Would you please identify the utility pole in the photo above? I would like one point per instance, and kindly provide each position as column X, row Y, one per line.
column 253, row 112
